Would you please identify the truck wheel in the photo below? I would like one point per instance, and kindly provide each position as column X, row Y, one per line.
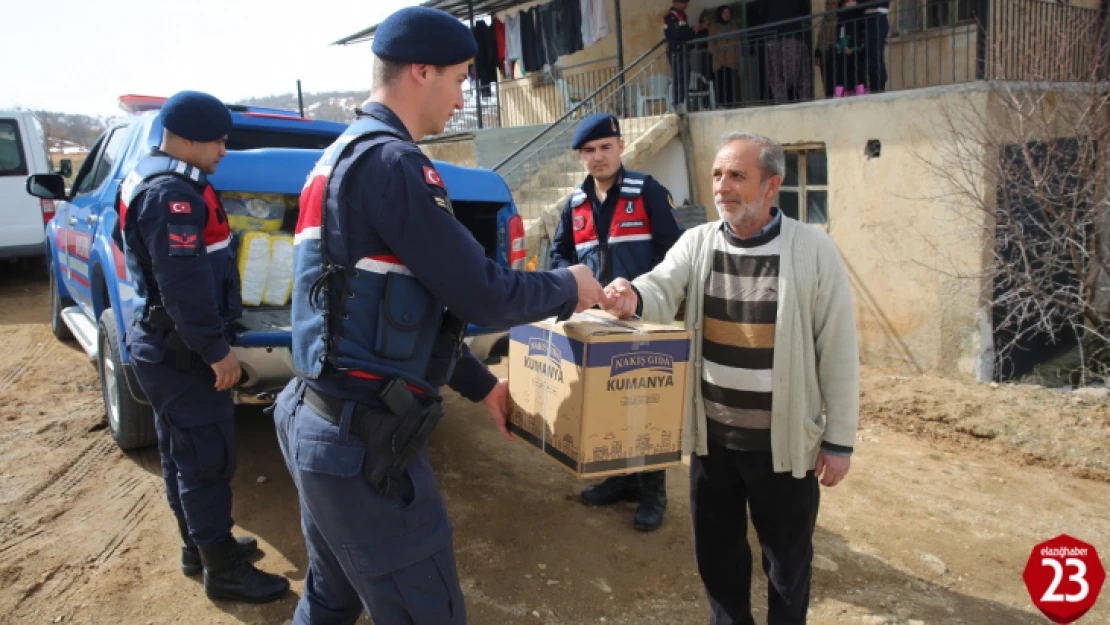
column 131, row 423
column 57, row 305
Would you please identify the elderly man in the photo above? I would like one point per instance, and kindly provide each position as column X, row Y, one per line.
column 769, row 303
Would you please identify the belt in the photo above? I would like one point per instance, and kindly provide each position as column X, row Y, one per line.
column 330, row 408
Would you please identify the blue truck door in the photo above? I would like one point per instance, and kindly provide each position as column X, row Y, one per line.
column 84, row 214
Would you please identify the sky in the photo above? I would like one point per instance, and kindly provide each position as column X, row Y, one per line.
column 97, row 50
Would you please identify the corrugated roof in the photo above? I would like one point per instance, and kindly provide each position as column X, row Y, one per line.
column 459, row 8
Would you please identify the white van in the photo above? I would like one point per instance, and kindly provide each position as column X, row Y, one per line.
column 23, row 151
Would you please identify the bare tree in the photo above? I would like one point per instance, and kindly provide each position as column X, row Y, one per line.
column 1030, row 172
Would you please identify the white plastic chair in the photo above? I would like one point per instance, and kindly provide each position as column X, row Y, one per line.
column 700, row 87
column 654, row 88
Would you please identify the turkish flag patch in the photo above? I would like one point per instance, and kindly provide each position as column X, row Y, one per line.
column 181, row 208
column 432, row 177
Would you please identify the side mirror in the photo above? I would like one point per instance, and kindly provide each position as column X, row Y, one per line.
column 65, row 168
column 47, row 186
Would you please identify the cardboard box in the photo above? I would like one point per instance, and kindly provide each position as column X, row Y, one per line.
column 604, row 396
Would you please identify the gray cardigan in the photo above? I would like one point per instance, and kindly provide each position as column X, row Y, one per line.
column 816, row 360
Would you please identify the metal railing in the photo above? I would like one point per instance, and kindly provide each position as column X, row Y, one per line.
column 861, row 49
column 543, row 97
column 832, row 54
column 1045, row 41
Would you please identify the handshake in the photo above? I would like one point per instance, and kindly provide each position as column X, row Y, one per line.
column 618, row 299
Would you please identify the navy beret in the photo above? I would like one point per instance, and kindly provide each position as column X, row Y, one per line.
column 196, row 116
column 598, row 126
column 424, row 35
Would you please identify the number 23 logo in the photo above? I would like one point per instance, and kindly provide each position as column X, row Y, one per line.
column 1080, row 577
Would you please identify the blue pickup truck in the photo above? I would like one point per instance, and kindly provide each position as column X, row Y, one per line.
column 93, row 296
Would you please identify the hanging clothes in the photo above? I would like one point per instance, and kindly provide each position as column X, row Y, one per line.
column 595, row 21
column 547, row 25
column 486, row 62
column 512, row 42
column 530, row 46
column 499, row 32
column 568, row 26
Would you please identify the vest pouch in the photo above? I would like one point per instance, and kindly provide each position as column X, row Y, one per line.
column 400, row 315
column 226, row 272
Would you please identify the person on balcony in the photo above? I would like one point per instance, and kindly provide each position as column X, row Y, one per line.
column 677, row 31
column 789, row 68
column 620, row 224
column 851, row 51
column 825, row 46
column 876, row 29
column 726, row 57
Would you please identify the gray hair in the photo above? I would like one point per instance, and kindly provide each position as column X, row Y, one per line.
column 772, row 159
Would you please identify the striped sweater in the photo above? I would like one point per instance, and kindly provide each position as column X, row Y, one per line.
column 738, row 345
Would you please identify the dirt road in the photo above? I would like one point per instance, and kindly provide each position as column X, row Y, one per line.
column 933, row 525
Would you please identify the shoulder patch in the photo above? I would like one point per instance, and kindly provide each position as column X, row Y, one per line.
column 184, row 240
column 181, row 208
column 432, row 177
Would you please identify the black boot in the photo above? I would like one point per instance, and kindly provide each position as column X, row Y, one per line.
column 612, row 490
column 230, row 577
column 649, row 514
column 190, row 555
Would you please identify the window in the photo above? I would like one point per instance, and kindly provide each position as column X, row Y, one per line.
column 12, row 160
column 804, row 194
column 934, row 13
column 105, row 161
column 45, row 144
column 254, row 139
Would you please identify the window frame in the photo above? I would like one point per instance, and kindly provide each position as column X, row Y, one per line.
column 922, row 9
column 802, row 187
column 101, row 148
column 24, row 167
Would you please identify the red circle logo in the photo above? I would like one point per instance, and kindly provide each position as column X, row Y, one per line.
column 1064, row 577
column 579, row 222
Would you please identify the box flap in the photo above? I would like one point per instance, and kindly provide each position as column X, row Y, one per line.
column 600, row 323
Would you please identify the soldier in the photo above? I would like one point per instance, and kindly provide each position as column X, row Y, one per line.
column 619, row 223
column 384, row 277
column 677, row 31
column 176, row 237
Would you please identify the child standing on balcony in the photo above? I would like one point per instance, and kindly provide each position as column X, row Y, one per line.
column 850, row 51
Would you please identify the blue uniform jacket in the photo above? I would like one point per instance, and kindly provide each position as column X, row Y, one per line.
column 198, row 288
column 629, row 260
column 393, row 202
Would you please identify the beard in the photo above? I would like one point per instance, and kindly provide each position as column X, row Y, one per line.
column 740, row 217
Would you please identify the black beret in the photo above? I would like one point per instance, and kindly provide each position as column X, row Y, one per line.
column 597, row 126
column 196, row 116
column 424, row 35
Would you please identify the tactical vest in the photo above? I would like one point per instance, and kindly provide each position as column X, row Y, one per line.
column 628, row 250
column 370, row 318
column 216, row 235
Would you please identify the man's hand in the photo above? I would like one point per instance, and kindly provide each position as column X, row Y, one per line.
column 227, row 372
column 621, row 299
column 497, row 403
column 833, row 467
column 590, row 292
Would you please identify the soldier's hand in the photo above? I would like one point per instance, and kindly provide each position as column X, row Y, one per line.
column 227, row 372
column 497, row 403
column 621, row 299
column 590, row 292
